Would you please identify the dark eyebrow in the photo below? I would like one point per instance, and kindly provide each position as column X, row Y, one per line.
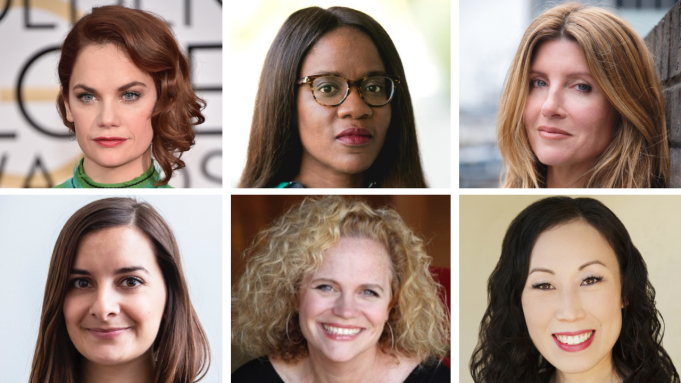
column 130, row 85
column 541, row 269
column 122, row 270
column 591, row 263
column 580, row 267
column 372, row 73
column 121, row 88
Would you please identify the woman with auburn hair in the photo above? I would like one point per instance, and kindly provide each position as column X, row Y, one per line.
column 338, row 289
column 126, row 93
column 582, row 106
column 116, row 304
column 570, row 301
column 333, row 107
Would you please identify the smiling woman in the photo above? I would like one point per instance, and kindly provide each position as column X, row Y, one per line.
column 336, row 289
column 116, row 302
column 582, row 106
column 570, row 301
column 333, row 107
column 126, row 93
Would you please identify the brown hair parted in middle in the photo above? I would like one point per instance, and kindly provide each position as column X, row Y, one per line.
column 181, row 349
column 149, row 43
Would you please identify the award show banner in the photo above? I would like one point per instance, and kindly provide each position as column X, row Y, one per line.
column 36, row 149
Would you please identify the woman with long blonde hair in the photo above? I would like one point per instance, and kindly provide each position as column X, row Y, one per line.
column 582, row 106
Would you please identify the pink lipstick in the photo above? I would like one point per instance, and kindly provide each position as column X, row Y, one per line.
column 355, row 136
column 553, row 133
column 109, row 142
column 563, row 340
column 108, row 333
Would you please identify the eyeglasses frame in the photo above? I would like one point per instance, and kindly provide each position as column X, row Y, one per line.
column 357, row 83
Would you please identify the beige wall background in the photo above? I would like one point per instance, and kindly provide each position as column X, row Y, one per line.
column 653, row 222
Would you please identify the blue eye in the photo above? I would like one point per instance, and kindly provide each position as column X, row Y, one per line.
column 86, row 98
column 370, row 293
column 325, row 288
column 537, row 83
column 130, row 96
column 583, row 87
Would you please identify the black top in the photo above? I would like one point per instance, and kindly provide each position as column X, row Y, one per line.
column 261, row 371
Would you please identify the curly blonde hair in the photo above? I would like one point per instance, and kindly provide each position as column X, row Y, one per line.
column 265, row 299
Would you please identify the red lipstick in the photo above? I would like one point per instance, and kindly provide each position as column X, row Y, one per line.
column 574, row 347
column 355, row 136
column 109, row 142
column 107, row 333
column 552, row 133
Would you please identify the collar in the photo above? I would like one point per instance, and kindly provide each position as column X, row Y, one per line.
column 146, row 180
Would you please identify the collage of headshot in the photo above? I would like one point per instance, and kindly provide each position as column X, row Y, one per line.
column 384, row 261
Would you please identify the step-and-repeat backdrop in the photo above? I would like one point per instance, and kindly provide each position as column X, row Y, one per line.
column 35, row 147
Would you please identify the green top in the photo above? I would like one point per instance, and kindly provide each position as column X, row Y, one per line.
column 81, row 180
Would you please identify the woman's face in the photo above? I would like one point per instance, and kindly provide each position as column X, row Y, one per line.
column 117, row 296
column 568, row 119
column 572, row 299
column 347, row 138
column 345, row 304
column 111, row 101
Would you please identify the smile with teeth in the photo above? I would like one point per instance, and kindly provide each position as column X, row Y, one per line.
column 341, row 331
column 572, row 340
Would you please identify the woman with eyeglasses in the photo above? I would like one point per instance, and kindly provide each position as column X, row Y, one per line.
column 333, row 107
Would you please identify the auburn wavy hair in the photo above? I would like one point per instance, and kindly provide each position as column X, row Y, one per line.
column 150, row 44
column 619, row 61
column 265, row 299
column 181, row 351
column 505, row 352
column 274, row 146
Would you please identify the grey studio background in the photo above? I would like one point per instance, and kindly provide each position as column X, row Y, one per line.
column 29, row 227
column 652, row 222
column 35, row 147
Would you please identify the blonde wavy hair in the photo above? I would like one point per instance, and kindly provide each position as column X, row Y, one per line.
column 265, row 299
column 638, row 154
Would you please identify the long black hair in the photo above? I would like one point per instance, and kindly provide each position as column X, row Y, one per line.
column 274, row 147
column 505, row 352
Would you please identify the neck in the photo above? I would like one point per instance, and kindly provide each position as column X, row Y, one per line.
column 362, row 368
column 315, row 175
column 565, row 176
column 139, row 370
column 603, row 372
column 117, row 174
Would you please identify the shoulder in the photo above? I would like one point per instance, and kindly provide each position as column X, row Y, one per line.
column 431, row 373
column 66, row 185
column 258, row 370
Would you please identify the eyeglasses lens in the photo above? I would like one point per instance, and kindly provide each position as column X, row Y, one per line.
column 375, row 90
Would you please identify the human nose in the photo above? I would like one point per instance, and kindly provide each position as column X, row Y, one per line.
column 105, row 304
column 553, row 104
column 345, row 306
column 570, row 308
column 354, row 106
column 108, row 114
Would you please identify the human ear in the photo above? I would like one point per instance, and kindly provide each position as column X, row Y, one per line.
column 69, row 115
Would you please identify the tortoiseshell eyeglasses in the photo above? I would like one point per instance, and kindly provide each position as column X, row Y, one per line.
column 332, row 90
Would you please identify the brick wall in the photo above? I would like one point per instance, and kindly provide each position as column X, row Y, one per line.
column 664, row 41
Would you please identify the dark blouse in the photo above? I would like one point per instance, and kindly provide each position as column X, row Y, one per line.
column 261, row 371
